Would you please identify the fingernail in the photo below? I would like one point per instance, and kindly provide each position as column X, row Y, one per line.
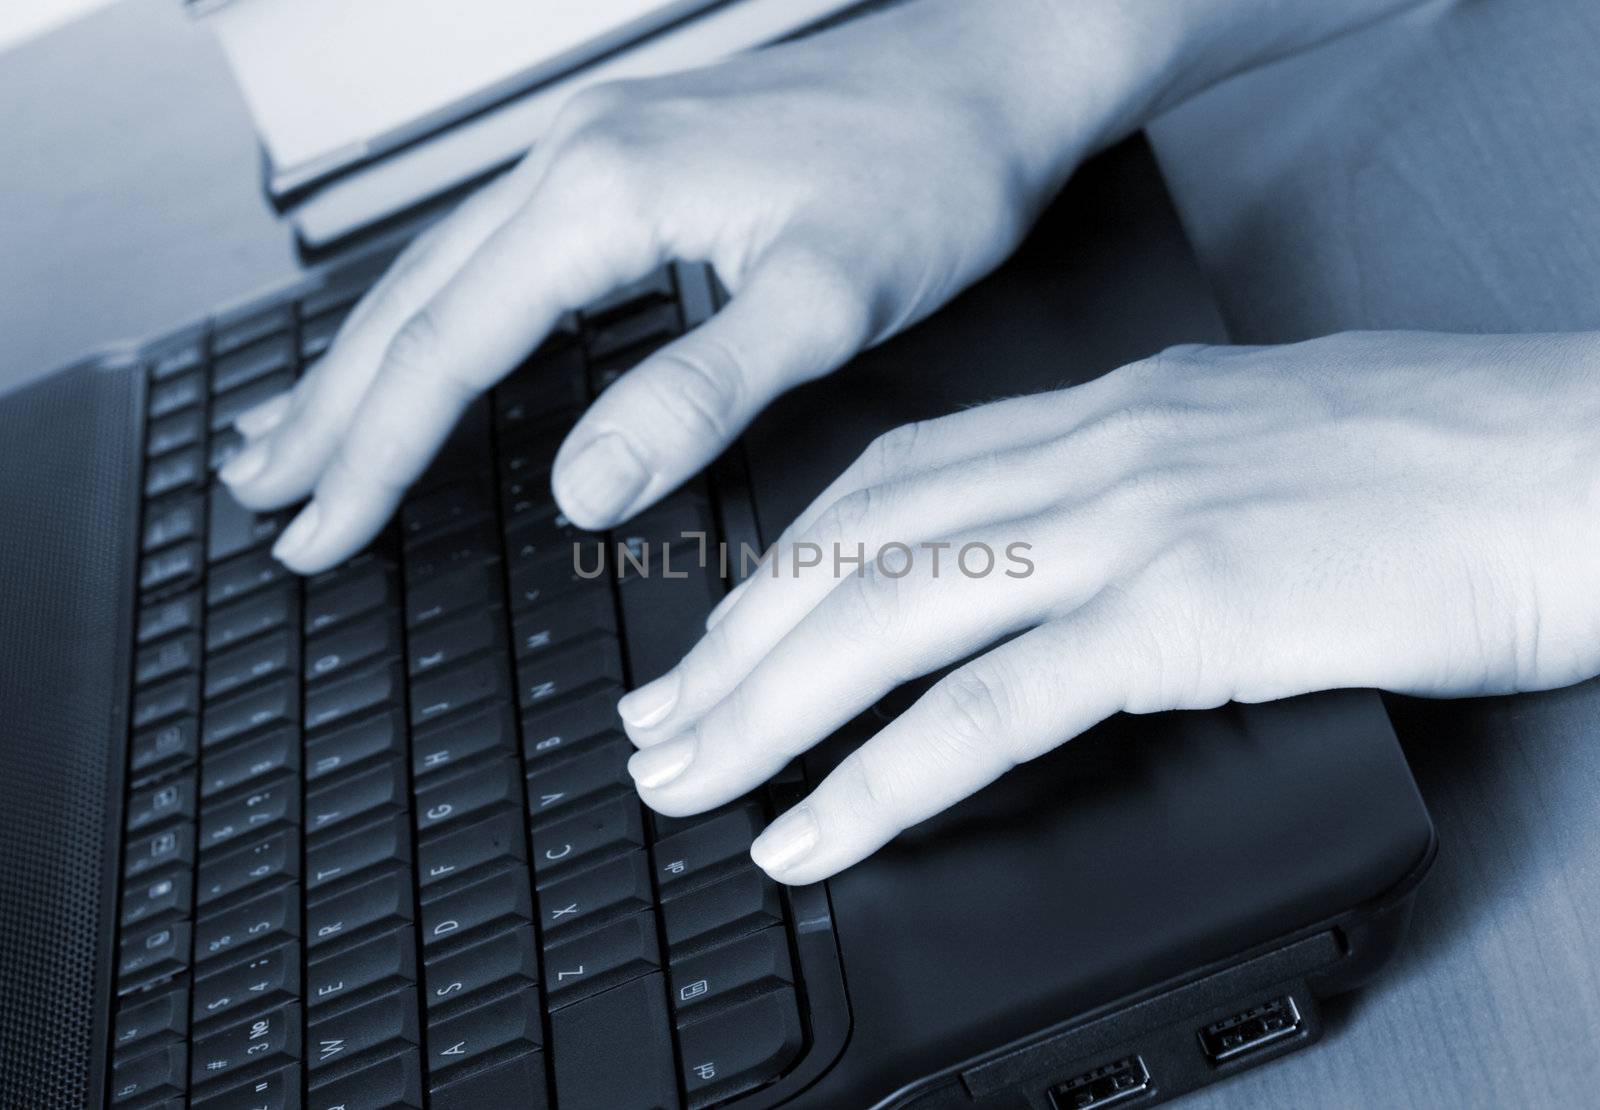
column 599, row 483
column 262, row 418
column 298, row 534
column 787, row 841
column 650, row 703
column 248, row 463
column 657, row 766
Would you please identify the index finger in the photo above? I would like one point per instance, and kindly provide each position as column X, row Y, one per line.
column 564, row 249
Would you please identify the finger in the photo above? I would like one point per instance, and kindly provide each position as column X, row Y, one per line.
column 867, row 637
column 791, row 320
column 924, row 508
column 1017, row 702
column 292, row 437
column 569, row 244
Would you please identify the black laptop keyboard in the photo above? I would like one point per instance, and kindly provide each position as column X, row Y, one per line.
column 381, row 847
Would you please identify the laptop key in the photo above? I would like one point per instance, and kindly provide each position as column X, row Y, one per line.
column 350, row 597
column 508, row 956
column 353, row 744
column 273, row 803
column 707, row 850
column 153, row 851
column 226, row 408
column 170, row 566
column 276, row 1090
column 471, row 794
column 273, row 608
column 508, row 1023
column 249, row 361
column 172, row 521
column 450, row 855
column 384, row 901
column 611, row 829
column 501, row 899
column 444, row 508
column 731, row 907
column 180, row 359
column 179, row 614
column 163, row 1018
column 551, row 730
column 388, row 960
column 547, row 675
column 317, row 334
column 374, row 638
column 583, row 1044
column 741, row 1048
column 253, row 1040
column 380, row 789
column 757, row 962
column 441, row 643
column 476, row 544
column 266, row 918
column 159, row 1072
column 243, row 576
column 390, row 1020
column 453, row 741
column 157, row 805
column 458, row 687
column 174, row 472
column 233, row 334
column 152, row 954
column 175, row 394
column 274, row 655
column 337, row 701
column 164, row 660
column 562, row 620
column 462, row 590
column 234, row 529
column 334, row 861
column 158, row 896
column 268, row 977
column 599, row 769
column 171, row 744
column 248, row 762
column 519, row 1082
column 273, row 857
column 586, row 965
column 603, row 893
column 394, row 1083
column 277, row 703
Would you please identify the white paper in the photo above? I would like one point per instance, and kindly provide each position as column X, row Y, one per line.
column 325, row 78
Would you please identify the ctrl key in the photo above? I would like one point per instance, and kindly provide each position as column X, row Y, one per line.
column 149, row 1075
column 740, row 1048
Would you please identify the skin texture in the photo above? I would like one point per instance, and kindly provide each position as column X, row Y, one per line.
column 1406, row 511
column 1402, row 511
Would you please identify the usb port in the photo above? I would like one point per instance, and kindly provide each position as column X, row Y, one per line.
column 1106, row 1085
column 1250, row 1030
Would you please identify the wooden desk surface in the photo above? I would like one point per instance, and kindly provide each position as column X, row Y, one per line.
column 131, row 200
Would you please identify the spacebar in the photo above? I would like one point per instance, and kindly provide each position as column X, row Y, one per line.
column 615, row 1049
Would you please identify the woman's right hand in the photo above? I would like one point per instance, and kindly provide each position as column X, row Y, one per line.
column 842, row 187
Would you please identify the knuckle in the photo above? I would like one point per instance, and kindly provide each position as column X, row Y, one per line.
column 1149, row 490
column 836, row 296
column 848, row 518
column 870, row 607
column 415, row 350
column 974, row 712
column 603, row 156
column 701, row 384
column 893, row 452
column 594, row 103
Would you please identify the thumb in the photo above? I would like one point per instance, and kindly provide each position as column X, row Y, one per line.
column 798, row 316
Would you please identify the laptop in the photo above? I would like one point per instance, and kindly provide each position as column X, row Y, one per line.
column 367, row 839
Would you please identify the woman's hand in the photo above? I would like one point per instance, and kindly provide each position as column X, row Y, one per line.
column 1412, row 512
column 842, row 187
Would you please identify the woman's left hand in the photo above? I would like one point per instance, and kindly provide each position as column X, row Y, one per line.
column 1411, row 512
